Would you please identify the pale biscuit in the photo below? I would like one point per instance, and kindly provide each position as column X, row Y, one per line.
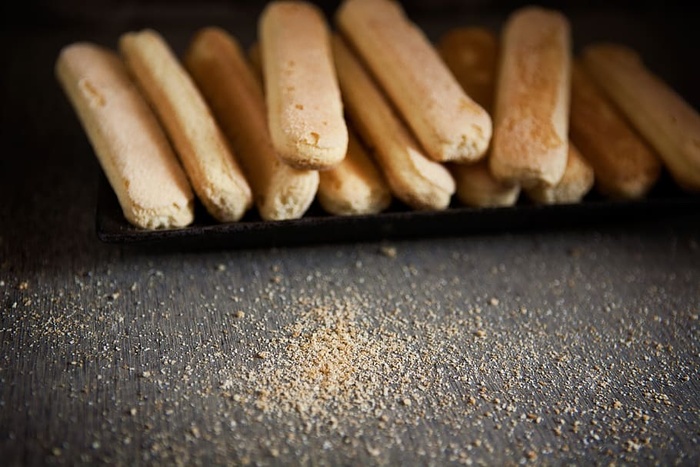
column 204, row 152
column 661, row 116
column 218, row 66
column 576, row 182
column 305, row 111
column 413, row 178
column 531, row 118
column 447, row 122
column 625, row 166
column 129, row 143
column 354, row 186
column 471, row 53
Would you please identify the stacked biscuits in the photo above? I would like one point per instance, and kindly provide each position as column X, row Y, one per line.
column 372, row 112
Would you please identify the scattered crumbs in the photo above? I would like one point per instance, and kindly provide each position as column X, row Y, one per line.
column 340, row 375
column 632, row 445
column 227, row 384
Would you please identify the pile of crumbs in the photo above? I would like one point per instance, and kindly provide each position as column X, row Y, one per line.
column 334, row 363
column 338, row 368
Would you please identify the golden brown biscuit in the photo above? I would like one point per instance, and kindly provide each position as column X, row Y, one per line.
column 531, row 117
column 214, row 173
column 447, row 122
column 413, row 178
column 255, row 59
column 129, row 143
column 577, row 181
column 471, row 53
column 661, row 116
column 355, row 186
column 305, row 111
column 625, row 166
column 218, row 66
column 476, row 186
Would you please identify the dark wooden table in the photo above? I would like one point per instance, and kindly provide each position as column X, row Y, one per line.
column 551, row 346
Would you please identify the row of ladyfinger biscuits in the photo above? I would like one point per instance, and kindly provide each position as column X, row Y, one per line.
column 405, row 103
column 625, row 121
column 148, row 118
column 298, row 129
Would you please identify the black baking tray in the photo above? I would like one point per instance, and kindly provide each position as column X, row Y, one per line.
column 398, row 222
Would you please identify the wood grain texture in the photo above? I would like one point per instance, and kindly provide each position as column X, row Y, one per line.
column 554, row 347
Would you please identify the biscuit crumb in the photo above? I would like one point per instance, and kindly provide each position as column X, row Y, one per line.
column 388, row 251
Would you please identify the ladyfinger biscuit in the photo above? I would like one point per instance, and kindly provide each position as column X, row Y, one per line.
column 447, row 122
column 305, row 111
column 531, row 119
column 129, row 143
column 355, row 186
column 661, row 116
column 214, row 173
column 476, row 186
column 625, row 166
column 218, row 66
column 577, row 181
column 471, row 53
column 413, row 178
